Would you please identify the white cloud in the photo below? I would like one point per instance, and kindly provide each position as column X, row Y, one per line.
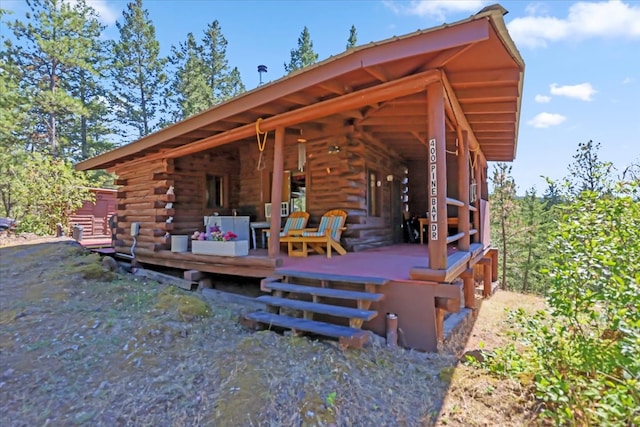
column 583, row 91
column 610, row 19
column 538, row 8
column 627, row 80
column 542, row 99
column 106, row 15
column 545, row 120
column 436, row 9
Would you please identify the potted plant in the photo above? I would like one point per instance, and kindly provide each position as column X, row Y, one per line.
column 214, row 241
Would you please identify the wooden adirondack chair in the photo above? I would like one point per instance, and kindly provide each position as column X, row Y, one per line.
column 296, row 221
column 324, row 238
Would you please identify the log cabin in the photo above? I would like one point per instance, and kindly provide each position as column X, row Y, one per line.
column 385, row 131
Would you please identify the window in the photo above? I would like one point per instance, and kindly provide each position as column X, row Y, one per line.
column 214, row 192
column 374, row 194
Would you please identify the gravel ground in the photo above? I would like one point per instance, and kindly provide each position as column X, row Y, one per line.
column 80, row 345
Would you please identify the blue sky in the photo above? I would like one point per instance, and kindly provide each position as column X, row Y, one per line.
column 582, row 77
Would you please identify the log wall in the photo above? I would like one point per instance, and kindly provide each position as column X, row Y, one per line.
column 142, row 197
column 189, row 177
column 333, row 181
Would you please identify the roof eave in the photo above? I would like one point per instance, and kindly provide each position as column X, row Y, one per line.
column 365, row 56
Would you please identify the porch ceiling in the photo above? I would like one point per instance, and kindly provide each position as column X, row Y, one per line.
column 477, row 56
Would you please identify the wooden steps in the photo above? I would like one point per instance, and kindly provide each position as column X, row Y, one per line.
column 324, row 292
column 314, row 307
column 325, row 300
column 312, row 326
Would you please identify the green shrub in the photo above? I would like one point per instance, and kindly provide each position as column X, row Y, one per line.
column 583, row 354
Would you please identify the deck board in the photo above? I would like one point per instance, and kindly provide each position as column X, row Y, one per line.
column 315, row 327
column 324, row 292
column 332, row 310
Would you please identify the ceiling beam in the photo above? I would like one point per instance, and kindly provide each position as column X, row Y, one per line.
column 443, row 58
column 491, row 107
column 377, row 73
column 493, row 127
column 335, row 87
column 382, row 92
column 468, row 79
column 476, row 119
column 450, row 98
column 487, row 94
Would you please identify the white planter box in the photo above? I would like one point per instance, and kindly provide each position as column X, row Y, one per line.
column 228, row 248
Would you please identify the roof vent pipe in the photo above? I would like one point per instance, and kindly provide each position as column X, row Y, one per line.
column 261, row 69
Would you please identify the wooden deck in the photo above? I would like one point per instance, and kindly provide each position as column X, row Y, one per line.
column 99, row 241
column 376, row 266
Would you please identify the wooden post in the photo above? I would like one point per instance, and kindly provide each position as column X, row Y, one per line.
column 276, row 193
column 463, row 189
column 437, row 171
column 486, row 279
column 469, row 288
column 476, row 216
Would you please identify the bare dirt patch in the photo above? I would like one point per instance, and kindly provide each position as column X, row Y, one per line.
column 82, row 346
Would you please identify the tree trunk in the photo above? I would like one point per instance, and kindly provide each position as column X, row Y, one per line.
column 504, row 251
column 52, row 115
column 527, row 266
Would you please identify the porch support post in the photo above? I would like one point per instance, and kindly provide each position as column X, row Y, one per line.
column 463, row 188
column 476, row 216
column 276, row 193
column 437, row 171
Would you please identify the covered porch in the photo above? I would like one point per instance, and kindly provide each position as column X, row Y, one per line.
column 387, row 131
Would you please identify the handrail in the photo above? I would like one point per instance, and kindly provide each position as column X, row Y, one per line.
column 454, row 202
column 473, row 208
column 455, row 237
column 472, row 231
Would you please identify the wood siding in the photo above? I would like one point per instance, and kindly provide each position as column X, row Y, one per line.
column 141, row 198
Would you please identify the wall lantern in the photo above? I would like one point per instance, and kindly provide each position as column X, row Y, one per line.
column 389, row 178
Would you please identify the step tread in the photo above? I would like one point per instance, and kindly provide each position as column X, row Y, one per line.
column 313, row 326
column 333, row 310
column 329, row 276
column 324, row 292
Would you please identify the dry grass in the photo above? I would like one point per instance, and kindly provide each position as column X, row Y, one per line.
column 80, row 347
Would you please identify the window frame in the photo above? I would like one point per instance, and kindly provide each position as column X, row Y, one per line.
column 221, row 191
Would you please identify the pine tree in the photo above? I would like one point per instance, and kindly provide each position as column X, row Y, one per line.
column 190, row 85
column 303, row 55
column 503, row 206
column 353, row 38
column 138, row 71
column 224, row 83
column 202, row 77
column 587, row 172
column 533, row 241
column 15, row 100
column 53, row 46
column 92, row 126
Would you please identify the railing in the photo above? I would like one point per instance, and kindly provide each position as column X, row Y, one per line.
column 459, row 204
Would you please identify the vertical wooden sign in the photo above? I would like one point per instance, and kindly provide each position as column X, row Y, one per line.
column 433, row 190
